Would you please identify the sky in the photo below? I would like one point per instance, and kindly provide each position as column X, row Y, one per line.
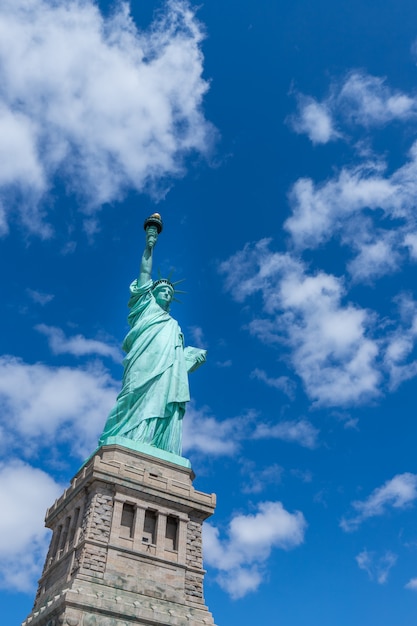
column 278, row 140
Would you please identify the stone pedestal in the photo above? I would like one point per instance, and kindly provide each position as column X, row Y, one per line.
column 126, row 547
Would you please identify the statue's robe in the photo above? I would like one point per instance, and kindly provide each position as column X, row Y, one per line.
column 155, row 387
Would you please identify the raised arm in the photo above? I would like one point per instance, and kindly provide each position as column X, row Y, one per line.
column 145, row 272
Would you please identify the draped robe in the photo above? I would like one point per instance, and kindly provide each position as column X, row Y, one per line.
column 151, row 404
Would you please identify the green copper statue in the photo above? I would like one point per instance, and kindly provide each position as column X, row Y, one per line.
column 151, row 405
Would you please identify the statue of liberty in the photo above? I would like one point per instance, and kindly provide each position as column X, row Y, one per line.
column 151, row 405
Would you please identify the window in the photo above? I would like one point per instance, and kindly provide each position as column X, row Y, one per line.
column 57, row 539
column 127, row 522
column 74, row 526
column 171, row 533
column 149, row 527
column 64, row 535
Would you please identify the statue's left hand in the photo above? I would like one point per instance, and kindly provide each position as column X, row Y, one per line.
column 194, row 358
column 201, row 358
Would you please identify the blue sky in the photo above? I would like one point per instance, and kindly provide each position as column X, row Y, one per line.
column 278, row 141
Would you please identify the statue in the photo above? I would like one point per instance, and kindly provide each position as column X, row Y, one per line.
column 151, row 405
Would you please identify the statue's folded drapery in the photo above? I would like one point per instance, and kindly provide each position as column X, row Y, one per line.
column 155, row 388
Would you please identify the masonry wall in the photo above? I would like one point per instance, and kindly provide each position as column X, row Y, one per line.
column 127, row 542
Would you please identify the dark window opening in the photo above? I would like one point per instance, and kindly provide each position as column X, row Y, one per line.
column 74, row 526
column 149, row 527
column 128, row 518
column 171, row 533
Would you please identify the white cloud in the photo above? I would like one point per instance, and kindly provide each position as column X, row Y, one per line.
column 367, row 100
column 315, row 120
column 44, row 406
column 377, row 567
column 319, row 212
column 77, row 345
column 256, row 480
column 412, row 584
column 360, row 99
column 399, row 493
column 96, row 102
column 297, row 431
column 329, row 343
column 204, row 433
column 283, row 383
column 410, row 241
column 25, row 493
column 197, row 336
column 227, row 363
column 344, row 353
column 250, row 538
column 376, row 255
column 400, row 343
column 369, row 210
column 39, row 297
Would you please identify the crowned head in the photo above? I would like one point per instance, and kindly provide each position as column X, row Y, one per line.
column 163, row 291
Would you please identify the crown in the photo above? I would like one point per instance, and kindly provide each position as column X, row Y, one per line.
column 166, row 281
column 162, row 281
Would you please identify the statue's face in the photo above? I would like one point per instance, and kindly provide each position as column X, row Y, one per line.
column 163, row 296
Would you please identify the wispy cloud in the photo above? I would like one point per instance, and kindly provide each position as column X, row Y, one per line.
column 242, row 555
column 205, row 433
column 39, row 297
column 227, row 363
column 257, row 480
column 197, row 336
column 283, row 383
column 412, row 584
column 376, row 566
column 398, row 493
column 124, row 119
column 297, row 431
column 25, row 493
column 78, row 345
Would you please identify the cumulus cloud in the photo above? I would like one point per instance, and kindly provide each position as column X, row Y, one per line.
column 242, row 555
column 45, row 406
column 77, row 345
column 398, row 493
column 328, row 339
column 297, row 431
column 367, row 100
column 359, row 99
column 399, row 357
column 91, row 100
column 377, row 254
column 320, row 211
column 367, row 207
column 315, row 120
column 344, row 354
column 377, row 567
column 25, row 493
